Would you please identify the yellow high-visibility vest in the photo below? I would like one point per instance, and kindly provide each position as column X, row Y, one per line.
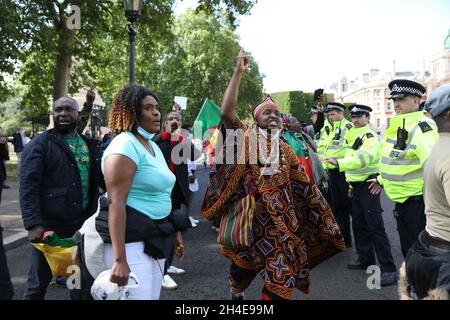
column 401, row 171
column 362, row 156
column 332, row 141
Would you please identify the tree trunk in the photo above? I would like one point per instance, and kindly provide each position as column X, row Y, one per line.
column 63, row 64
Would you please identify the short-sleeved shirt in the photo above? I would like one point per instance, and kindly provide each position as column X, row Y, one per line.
column 80, row 152
column 153, row 181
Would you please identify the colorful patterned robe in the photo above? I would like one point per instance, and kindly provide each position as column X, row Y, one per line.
column 293, row 226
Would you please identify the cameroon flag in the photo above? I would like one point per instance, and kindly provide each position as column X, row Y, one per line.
column 208, row 117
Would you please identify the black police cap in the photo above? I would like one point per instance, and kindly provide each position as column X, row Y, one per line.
column 401, row 88
column 359, row 109
column 335, row 106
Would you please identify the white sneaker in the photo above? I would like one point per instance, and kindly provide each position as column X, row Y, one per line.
column 175, row 270
column 193, row 221
column 168, row 283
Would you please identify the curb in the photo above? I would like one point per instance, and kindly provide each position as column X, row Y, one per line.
column 15, row 240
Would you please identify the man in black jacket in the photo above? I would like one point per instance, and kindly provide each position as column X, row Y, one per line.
column 177, row 149
column 59, row 186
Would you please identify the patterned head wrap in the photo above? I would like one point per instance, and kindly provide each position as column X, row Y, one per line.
column 264, row 104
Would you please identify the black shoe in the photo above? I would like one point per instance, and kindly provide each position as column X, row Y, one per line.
column 62, row 281
column 357, row 265
column 388, row 278
column 5, row 186
column 236, row 296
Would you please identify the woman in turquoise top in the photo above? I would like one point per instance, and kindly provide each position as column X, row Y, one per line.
column 137, row 176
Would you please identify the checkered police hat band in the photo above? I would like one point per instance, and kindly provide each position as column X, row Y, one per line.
column 405, row 90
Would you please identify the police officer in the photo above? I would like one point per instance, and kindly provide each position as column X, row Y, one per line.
column 361, row 163
column 428, row 260
column 332, row 144
column 405, row 148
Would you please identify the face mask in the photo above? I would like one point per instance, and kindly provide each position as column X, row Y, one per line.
column 147, row 135
column 65, row 128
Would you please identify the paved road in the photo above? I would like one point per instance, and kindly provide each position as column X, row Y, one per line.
column 207, row 269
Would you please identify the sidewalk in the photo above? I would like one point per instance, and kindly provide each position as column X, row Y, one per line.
column 14, row 233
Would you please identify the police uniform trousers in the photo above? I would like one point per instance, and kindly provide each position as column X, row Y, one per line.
column 410, row 216
column 368, row 229
column 340, row 203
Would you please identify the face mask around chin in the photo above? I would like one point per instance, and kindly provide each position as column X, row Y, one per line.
column 67, row 128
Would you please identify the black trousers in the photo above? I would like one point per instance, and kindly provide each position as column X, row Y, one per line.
column 368, row 229
column 410, row 216
column 169, row 250
column 6, row 287
column 340, row 203
column 427, row 267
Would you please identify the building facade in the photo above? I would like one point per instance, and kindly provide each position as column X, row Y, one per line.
column 372, row 87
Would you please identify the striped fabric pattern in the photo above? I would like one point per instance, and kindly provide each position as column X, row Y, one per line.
column 266, row 103
column 236, row 224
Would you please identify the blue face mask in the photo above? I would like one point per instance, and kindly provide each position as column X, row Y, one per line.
column 147, row 135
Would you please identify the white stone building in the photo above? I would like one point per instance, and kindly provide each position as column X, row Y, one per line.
column 372, row 88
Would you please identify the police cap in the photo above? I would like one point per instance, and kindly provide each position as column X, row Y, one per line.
column 401, row 88
column 359, row 109
column 335, row 106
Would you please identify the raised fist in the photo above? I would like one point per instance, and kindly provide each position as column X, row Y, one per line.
column 90, row 96
column 243, row 60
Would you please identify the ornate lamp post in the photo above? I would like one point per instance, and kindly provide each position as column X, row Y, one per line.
column 133, row 12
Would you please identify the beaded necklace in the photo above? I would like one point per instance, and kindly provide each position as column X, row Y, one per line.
column 267, row 168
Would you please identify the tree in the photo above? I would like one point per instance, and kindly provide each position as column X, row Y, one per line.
column 296, row 103
column 59, row 57
column 198, row 64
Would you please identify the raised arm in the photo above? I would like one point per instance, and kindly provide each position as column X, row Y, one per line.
column 85, row 113
column 229, row 101
column 119, row 172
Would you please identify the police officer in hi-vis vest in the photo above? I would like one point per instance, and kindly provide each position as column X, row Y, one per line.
column 406, row 146
column 332, row 144
column 361, row 163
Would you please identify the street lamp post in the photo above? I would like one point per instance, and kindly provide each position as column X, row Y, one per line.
column 133, row 12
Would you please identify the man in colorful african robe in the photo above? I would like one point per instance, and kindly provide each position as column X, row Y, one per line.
column 293, row 227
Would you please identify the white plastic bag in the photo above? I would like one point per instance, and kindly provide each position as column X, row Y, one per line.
column 103, row 289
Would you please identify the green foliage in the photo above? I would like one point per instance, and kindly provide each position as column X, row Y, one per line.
column 12, row 117
column 282, row 99
column 301, row 103
column 297, row 103
column 198, row 64
column 35, row 37
column 347, row 112
column 233, row 8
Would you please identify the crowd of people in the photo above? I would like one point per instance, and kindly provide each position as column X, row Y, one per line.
column 126, row 199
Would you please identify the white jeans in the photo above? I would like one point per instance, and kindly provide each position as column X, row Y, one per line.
column 148, row 270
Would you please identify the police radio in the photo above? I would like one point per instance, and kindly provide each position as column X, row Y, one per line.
column 337, row 135
column 402, row 136
column 357, row 144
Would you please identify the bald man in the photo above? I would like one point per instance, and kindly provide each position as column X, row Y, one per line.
column 59, row 186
